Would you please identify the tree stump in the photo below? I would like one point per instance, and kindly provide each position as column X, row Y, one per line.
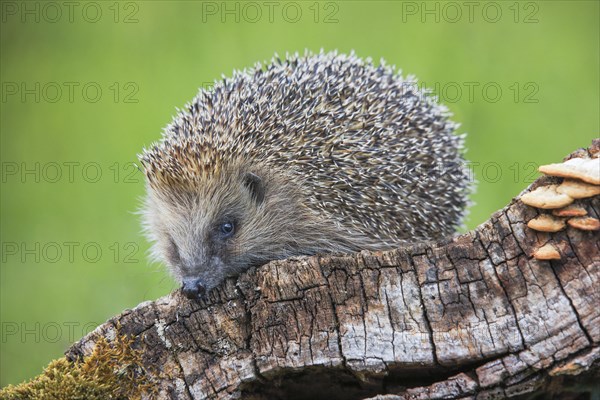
column 475, row 316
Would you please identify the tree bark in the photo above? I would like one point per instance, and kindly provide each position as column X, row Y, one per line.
column 474, row 316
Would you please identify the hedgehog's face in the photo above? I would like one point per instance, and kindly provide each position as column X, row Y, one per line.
column 214, row 231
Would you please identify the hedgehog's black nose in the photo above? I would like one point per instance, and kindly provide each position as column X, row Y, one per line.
column 193, row 288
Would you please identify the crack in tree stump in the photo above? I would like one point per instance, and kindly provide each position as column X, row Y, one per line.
column 474, row 316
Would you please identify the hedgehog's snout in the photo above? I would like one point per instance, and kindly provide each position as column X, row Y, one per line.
column 193, row 288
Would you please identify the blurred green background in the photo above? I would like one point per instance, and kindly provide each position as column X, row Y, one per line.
column 86, row 85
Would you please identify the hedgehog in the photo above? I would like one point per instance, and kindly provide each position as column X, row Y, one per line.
column 313, row 154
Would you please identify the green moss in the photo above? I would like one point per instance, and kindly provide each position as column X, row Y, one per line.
column 114, row 370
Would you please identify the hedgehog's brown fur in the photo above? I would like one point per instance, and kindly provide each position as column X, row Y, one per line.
column 346, row 156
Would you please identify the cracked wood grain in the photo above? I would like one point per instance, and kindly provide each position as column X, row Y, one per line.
column 473, row 316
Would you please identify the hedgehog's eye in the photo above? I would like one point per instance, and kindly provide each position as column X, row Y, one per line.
column 227, row 229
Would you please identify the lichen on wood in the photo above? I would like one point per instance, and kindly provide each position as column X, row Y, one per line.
column 113, row 370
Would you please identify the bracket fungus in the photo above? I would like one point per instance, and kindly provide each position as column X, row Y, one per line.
column 581, row 179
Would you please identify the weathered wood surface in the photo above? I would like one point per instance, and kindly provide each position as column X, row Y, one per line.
column 472, row 317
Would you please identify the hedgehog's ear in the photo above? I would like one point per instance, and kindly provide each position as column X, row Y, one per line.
column 255, row 185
